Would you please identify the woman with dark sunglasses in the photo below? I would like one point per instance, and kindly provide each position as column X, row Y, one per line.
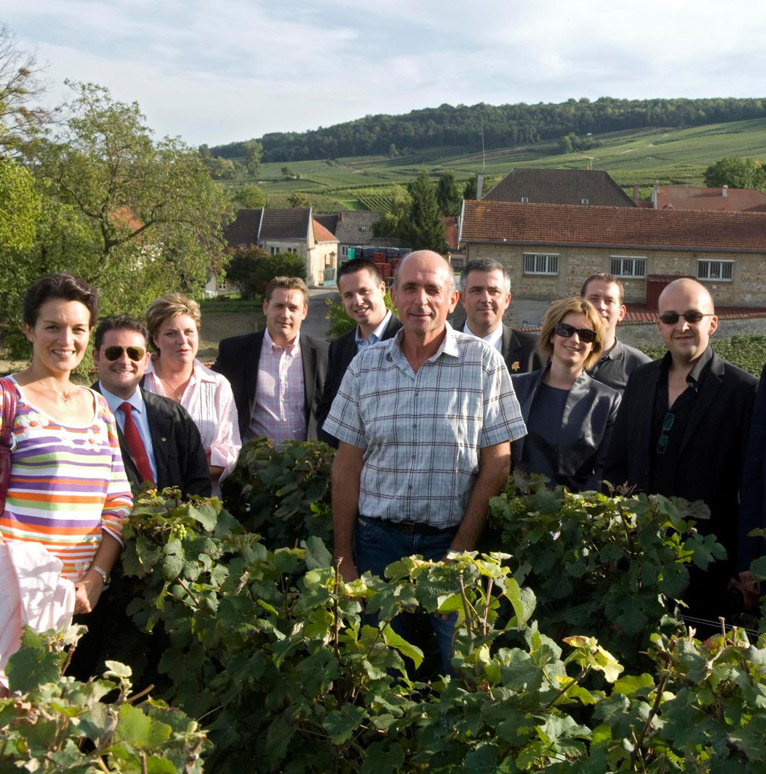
column 569, row 415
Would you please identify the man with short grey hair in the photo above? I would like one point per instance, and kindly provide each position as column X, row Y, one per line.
column 425, row 422
column 485, row 293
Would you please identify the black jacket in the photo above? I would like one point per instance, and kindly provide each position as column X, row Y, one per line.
column 519, row 350
column 342, row 352
column 238, row 358
column 590, row 412
column 176, row 444
column 709, row 466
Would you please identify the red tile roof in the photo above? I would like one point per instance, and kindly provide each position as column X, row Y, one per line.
column 321, row 234
column 621, row 227
column 682, row 197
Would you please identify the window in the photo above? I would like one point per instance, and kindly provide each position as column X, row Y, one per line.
column 283, row 250
column 525, row 199
column 540, row 263
column 627, row 267
column 223, row 285
column 715, row 270
column 344, row 251
column 274, row 250
column 584, row 201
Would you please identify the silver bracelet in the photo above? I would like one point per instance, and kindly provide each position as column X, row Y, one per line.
column 103, row 573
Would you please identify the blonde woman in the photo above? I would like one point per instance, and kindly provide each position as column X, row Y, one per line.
column 569, row 415
column 174, row 371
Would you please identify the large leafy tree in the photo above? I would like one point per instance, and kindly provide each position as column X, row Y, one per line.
column 736, row 172
column 137, row 218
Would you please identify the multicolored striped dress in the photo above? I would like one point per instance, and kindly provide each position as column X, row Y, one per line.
column 67, row 485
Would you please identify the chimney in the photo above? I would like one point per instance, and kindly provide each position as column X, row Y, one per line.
column 636, row 193
column 479, row 185
column 725, row 191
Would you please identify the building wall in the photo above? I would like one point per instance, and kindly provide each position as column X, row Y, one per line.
column 324, row 255
column 746, row 288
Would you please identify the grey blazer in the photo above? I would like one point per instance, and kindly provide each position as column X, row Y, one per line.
column 589, row 415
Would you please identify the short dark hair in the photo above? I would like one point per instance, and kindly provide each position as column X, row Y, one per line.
column 484, row 264
column 119, row 322
column 603, row 277
column 63, row 286
column 359, row 264
column 287, row 283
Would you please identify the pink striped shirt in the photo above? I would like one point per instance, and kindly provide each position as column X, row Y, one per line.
column 280, row 398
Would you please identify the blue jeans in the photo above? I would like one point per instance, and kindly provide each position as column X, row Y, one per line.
column 376, row 545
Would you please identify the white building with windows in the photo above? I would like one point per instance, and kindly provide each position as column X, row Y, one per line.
column 551, row 248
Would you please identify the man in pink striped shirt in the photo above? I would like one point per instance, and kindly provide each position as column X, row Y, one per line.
column 277, row 375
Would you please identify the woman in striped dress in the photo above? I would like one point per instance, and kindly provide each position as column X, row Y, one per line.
column 67, row 491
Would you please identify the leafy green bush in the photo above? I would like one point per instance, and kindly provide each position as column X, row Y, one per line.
column 608, row 566
column 282, row 491
column 57, row 724
column 747, row 352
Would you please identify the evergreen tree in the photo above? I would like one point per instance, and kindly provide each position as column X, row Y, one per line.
column 471, row 189
column 424, row 229
column 448, row 195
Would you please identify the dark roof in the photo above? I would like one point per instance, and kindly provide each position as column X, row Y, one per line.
column 252, row 227
column 563, row 225
column 330, row 222
column 286, row 224
column 729, row 199
column 559, row 186
column 243, row 230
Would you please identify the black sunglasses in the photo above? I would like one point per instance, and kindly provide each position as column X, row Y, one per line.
column 692, row 316
column 567, row 331
column 134, row 353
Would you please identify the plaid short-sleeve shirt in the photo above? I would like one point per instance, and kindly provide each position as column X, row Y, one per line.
column 422, row 431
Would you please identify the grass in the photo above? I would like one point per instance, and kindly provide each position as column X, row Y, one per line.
column 640, row 157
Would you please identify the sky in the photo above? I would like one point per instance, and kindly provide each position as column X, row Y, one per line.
column 226, row 70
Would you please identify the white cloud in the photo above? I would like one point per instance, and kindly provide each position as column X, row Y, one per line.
column 232, row 69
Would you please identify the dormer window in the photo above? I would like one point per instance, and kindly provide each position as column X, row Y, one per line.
column 524, row 199
column 584, row 201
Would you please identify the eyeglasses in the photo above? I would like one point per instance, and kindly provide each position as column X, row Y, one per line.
column 567, row 331
column 136, row 354
column 662, row 441
column 692, row 316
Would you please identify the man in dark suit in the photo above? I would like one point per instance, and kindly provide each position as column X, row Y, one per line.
column 363, row 293
column 682, row 428
column 485, row 293
column 169, row 450
column 277, row 374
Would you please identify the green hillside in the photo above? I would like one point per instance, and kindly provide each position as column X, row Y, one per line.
column 677, row 156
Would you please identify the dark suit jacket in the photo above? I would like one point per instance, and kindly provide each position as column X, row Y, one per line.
column 178, row 451
column 520, row 347
column 709, row 466
column 589, row 415
column 342, row 352
column 752, row 513
column 238, row 358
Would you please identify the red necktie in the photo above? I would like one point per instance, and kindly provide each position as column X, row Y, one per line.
column 136, row 445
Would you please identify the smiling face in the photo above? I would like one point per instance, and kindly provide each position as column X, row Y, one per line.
column 121, row 376
column 424, row 295
column 60, row 335
column 177, row 340
column 571, row 352
column 686, row 341
column 285, row 311
column 363, row 298
column 605, row 296
column 485, row 299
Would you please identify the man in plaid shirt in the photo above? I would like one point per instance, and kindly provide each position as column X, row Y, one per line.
column 425, row 422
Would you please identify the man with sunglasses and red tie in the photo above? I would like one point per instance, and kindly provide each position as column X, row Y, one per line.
column 681, row 431
column 159, row 441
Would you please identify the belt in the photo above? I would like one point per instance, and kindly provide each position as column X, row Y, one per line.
column 415, row 527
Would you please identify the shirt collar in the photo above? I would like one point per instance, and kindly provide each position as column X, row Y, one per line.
column 695, row 376
column 614, row 352
column 292, row 349
column 447, row 347
column 376, row 335
column 136, row 400
column 494, row 339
